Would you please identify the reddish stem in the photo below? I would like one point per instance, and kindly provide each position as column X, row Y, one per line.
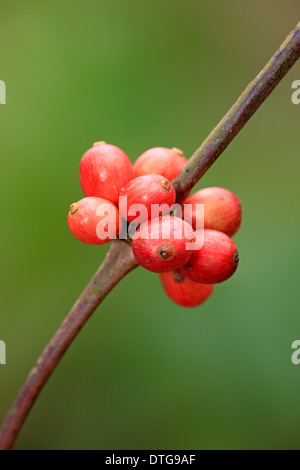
column 119, row 261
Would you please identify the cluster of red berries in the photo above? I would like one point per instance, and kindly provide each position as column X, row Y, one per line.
column 191, row 252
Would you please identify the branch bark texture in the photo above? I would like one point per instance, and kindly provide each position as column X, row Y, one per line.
column 119, row 261
column 240, row 113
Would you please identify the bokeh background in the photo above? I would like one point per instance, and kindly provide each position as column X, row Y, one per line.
column 144, row 373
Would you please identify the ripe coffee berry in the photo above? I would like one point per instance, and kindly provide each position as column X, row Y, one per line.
column 162, row 161
column 94, row 220
column 160, row 245
column 184, row 291
column 222, row 209
column 104, row 171
column 215, row 262
column 143, row 196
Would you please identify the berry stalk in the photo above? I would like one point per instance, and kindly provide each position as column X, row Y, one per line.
column 119, row 260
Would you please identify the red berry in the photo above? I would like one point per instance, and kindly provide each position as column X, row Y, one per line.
column 94, row 220
column 161, row 161
column 104, row 171
column 184, row 291
column 143, row 196
column 215, row 262
column 160, row 245
column 222, row 210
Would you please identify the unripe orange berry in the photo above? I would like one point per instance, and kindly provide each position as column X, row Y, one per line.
column 161, row 161
column 184, row 291
column 215, row 262
column 160, row 245
column 94, row 220
column 222, row 210
column 149, row 191
column 104, row 171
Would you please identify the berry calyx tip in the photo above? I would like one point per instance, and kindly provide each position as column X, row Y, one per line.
column 178, row 152
column 97, row 144
column 165, row 252
column 166, row 185
column 74, row 208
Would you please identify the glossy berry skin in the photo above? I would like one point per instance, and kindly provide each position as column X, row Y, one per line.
column 184, row 291
column 222, row 210
column 83, row 220
column 162, row 161
column 147, row 190
column 215, row 262
column 104, row 171
column 157, row 252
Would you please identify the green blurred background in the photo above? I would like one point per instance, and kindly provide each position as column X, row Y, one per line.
column 144, row 373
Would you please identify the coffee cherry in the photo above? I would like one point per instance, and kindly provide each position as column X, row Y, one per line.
column 160, row 245
column 161, row 161
column 215, row 262
column 104, row 171
column 94, row 220
column 144, row 194
column 222, row 210
column 184, row 291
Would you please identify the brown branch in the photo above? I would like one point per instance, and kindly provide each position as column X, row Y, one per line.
column 240, row 113
column 119, row 260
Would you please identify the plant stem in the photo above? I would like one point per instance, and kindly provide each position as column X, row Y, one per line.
column 240, row 113
column 119, row 260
